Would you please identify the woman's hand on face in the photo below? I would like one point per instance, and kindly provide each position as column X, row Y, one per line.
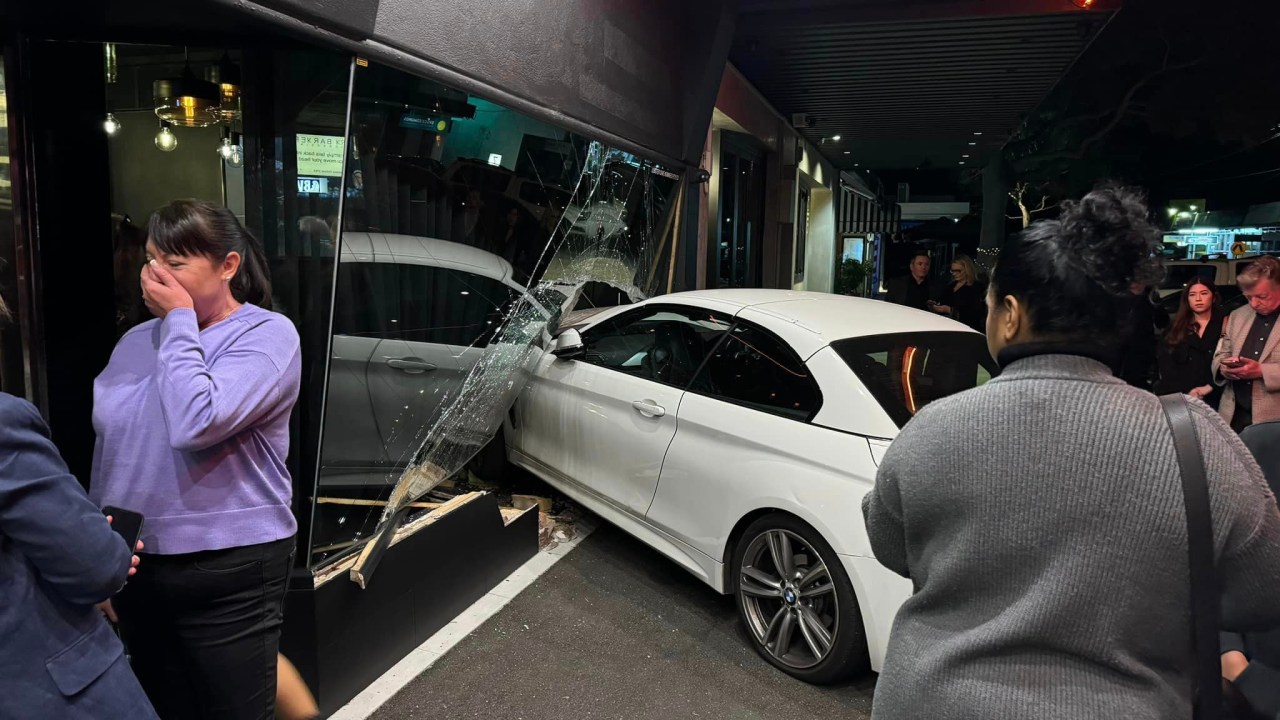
column 161, row 291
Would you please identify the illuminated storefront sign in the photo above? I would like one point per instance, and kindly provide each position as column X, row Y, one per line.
column 320, row 155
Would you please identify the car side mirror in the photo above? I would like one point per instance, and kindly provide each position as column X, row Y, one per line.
column 569, row 345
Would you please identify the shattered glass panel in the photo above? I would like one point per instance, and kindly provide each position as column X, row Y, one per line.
column 468, row 231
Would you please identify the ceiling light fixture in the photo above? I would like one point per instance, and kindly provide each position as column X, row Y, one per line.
column 235, row 156
column 110, row 62
column 186, row 100
column 835, row 138
column 165, row 139
column 846, row 152
column 111, row 66
column 1083, row 4
column 226, row 75
column 226, row 149
column 977, row 133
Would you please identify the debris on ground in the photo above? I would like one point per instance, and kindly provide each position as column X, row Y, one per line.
column 557, row 516
column 524, row 502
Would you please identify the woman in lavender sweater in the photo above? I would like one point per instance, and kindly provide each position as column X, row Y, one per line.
column 192, row 415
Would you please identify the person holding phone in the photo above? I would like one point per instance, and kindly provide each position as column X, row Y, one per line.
column 1247, row 364
column 964, row 300
column 192, row 415
column 58, row 558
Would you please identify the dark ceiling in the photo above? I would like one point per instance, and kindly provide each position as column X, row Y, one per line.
column 911, row 83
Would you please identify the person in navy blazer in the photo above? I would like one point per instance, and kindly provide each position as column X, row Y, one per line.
column 58, row 558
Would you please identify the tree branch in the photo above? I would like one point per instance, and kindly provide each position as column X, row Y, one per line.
column 1127, row 103
column 1127, row 107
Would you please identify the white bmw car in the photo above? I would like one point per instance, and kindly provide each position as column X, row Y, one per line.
column 736, row 432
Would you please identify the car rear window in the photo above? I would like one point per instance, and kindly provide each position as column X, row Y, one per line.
column 906, row 371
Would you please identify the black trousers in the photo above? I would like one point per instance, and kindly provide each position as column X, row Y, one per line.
column 203, row 630
column 1241, row 418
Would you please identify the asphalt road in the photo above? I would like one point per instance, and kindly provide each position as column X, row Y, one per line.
column 615, row 630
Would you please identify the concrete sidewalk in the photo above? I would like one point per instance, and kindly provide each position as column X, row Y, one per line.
column 615, row 630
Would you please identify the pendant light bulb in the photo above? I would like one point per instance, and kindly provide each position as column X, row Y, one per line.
column 111, row 125
column 165, row 139
column 231, row 151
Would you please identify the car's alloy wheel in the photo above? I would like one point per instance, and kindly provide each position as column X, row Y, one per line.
column 797, row 602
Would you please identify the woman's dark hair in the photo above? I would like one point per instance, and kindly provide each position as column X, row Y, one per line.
column 1184, row 322
column 1073, row 274
column 196, row 227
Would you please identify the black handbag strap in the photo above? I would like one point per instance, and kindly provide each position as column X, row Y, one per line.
column 1205, row 589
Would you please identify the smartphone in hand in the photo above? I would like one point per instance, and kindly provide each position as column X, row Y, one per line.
column 1232, row 362
column 126, row 523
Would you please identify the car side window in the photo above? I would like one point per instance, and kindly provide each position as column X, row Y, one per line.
column 756, row 370
column 377, row 315
column 420, row 303
column 666, row 345
column 451, row 307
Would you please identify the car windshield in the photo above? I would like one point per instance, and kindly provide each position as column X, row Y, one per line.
column 906, row 371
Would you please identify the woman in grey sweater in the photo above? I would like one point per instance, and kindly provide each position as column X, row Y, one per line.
column 1040, row 517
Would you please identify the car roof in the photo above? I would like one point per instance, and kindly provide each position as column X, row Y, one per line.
column 810, row 321
column 420, row 250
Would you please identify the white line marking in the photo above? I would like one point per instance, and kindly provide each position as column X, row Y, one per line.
column 425, row 655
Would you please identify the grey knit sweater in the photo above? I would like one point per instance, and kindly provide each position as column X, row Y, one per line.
column 1041, row 521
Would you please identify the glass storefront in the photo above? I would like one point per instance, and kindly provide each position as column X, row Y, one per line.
column 467, row 230
column 423, row 240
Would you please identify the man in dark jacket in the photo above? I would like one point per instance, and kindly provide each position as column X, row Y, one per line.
column 914, row 289
column 1252, row 660
column 58, row 558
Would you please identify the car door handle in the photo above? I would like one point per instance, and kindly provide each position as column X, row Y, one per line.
column 411, row 365
column 649, row 408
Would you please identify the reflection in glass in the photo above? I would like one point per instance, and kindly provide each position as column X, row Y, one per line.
column 152, row 162
column 470, row 230
column 13, row 370
column 741, row 213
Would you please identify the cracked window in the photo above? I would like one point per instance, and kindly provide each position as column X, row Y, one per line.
column 467, row 231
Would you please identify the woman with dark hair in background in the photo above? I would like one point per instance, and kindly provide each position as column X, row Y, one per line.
column 192, row 415
column 1040, row 516
column 1185, row 356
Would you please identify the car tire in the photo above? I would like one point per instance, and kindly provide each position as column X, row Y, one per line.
column 814, row 611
